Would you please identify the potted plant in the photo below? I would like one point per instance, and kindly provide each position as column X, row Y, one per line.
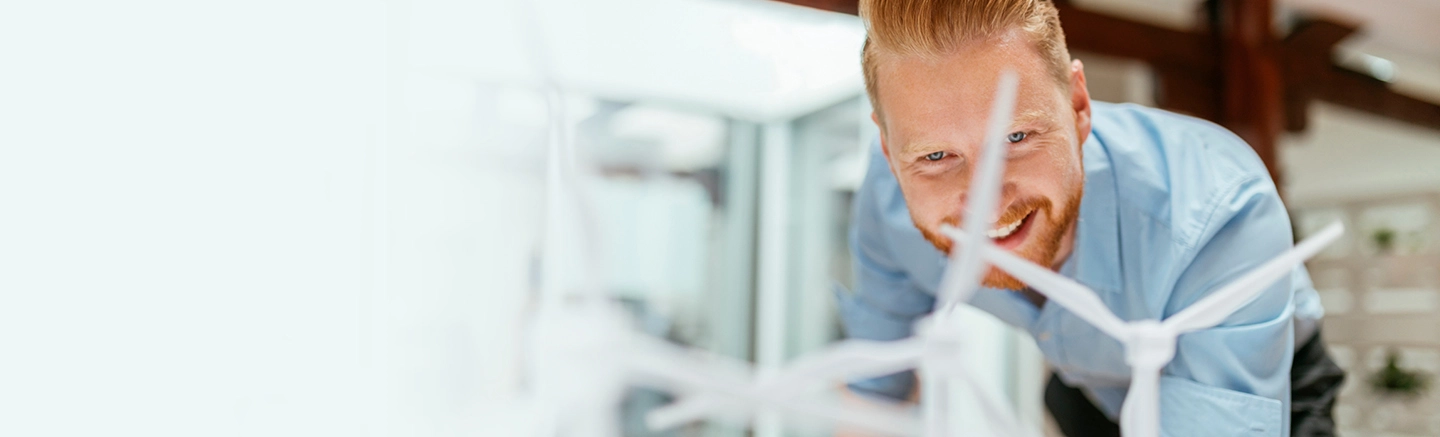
column 1384, row 240
column 1395, row 382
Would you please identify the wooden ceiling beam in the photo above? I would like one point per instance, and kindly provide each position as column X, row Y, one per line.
column 1311, row 74
column 1356, row 90
column 1113, row 36
column 1317, row 36
column 1306, row 59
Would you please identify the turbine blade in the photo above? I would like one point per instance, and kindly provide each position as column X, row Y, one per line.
column 685, row 410
column 962, row 277
column 846, row 360
column 653, row 362
column 850, row 359
column 1075, row 297
column 1213, row 309
column 688, row 374
column 740, row 407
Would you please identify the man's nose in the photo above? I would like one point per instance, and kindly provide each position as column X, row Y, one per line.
column 1003, row 200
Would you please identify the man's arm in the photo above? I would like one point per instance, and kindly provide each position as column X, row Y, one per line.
column 1234, row 379
column 883, row 307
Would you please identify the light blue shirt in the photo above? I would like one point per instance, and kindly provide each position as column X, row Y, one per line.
column 1173, row 208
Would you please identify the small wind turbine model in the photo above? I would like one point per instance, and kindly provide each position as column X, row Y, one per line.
column 936, row 347
column 1149, row 344
column 581, row 351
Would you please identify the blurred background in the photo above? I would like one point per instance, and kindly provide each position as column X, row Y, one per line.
column 326, row 218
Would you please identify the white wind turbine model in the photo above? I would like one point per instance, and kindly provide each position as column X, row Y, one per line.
column 936, row 347
column 581, row 352
column 1149, row 344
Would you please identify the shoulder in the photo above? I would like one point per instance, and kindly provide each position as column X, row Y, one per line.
column 879, row 197
column 1177, row 171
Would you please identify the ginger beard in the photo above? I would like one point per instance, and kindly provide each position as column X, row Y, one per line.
column 1040, row 242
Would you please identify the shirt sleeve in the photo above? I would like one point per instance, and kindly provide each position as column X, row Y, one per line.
column 885, row 302
column 1234, row 379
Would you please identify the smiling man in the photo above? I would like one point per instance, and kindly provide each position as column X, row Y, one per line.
column 1151, row 209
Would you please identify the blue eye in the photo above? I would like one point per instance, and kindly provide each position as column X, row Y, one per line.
column 1016, row 137
column 935, row 156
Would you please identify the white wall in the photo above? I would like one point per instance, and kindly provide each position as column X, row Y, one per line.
column 255, row 218
column 188, row 242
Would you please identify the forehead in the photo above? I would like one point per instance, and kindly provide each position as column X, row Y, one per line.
column 916, row 92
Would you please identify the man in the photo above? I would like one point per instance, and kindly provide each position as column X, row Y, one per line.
column 1153, row 210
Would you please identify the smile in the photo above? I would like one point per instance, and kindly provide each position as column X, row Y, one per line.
column 1003, row 231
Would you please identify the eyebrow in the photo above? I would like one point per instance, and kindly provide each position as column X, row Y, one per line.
column 1028, row 117
column 915, row 147
column 1023, row 118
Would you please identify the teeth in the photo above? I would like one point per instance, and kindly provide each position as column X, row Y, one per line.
column 1004, row 231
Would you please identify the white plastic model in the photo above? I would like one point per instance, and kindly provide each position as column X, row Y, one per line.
column 581, row 351
column 1150, row 344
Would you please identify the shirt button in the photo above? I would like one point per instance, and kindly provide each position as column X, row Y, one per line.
column 1044, row 336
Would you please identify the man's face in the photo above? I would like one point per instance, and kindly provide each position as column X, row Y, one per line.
column 932, row 115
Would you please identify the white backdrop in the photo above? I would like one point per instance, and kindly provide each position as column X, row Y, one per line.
column 189, row 236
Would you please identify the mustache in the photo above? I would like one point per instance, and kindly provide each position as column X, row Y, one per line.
column 1016, row 210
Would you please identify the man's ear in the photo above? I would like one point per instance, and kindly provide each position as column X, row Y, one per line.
column 1080, row 100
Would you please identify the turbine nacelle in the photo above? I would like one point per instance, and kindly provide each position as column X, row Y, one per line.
column 1151, row 344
